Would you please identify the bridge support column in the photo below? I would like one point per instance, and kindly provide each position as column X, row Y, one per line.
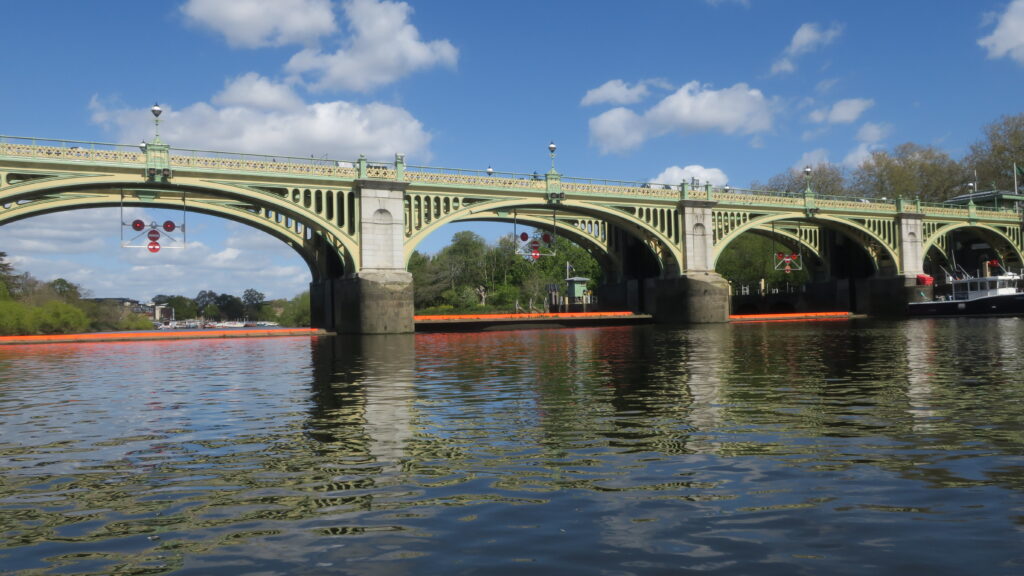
column 889, row 296
column 700, row 296
column 378, row 299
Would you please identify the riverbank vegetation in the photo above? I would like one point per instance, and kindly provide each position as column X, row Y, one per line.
column 471, row 276
column 31, row 306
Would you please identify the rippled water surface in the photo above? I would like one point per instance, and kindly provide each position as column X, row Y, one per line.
column 807, row 448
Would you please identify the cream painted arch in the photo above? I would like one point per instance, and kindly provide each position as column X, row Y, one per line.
column 274, row 215
column 659, row 244
column 840, row 224
column 936, row 239
column 597, row 248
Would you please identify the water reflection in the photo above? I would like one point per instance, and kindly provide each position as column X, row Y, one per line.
column 735, row 449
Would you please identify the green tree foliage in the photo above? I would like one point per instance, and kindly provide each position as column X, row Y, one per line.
column 471, row 276
column 183, row 306
column 751, row 258
column 296, row 311
column 253, row 300
column 6, row 276
column 57, row 317
column 231, row 307
column 17, row 318
column 825, row 180
column 67, row 291
column 205, row 298
column 909, row 171
column 993, row 157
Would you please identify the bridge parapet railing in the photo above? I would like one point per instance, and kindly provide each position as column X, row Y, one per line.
column 460, row 177
column 212, row 160
column 937, row 209
column 619, row 188
column 70, row 150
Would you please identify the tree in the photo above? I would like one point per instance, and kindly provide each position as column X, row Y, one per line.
column 231, row 307
column 296, row 311
column 205, row 298
column 211, row 312
column 253, row 300
column 183, row 307
column 68, row 291
column 910, row 171
column 825, row 180
column 6, row 275
column 994, row 156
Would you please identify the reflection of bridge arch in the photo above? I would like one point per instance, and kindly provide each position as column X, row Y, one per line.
column 274, row 216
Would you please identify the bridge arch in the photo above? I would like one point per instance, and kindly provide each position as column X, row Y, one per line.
column 325, row 254
column 879, row 247
column 665, row 251
column 1001, row 242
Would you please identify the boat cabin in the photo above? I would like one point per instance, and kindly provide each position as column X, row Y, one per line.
column 971, row 288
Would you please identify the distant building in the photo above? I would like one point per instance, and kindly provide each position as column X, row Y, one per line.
column 991, row 198
column 127, row 305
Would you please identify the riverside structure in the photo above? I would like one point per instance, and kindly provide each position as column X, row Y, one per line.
column 356, row 224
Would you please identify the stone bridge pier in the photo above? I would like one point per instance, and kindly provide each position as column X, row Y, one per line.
column 378, row 299
column 700, row 295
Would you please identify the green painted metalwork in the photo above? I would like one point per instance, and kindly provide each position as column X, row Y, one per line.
column 314, row 203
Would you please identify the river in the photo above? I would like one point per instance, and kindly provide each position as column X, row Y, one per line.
column 850, row 447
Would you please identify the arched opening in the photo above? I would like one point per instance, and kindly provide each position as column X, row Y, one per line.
column 224, row 255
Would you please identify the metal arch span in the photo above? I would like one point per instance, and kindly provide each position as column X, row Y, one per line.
column 593, row 223
column 591, row 234
column 685, row 226
column 289, row 227
column 1006, row 245
column 879, row 240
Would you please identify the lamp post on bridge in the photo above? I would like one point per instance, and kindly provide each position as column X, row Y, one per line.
column 809, row 205
column 553, row 180
column 158, row 154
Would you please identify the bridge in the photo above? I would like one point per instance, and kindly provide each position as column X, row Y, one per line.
column 356, row 223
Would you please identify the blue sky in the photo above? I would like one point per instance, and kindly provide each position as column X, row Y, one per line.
column 731, row 91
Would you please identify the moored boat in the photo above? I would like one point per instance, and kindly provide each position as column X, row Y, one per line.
column 990, row 295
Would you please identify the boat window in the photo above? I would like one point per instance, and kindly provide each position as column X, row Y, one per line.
column 973, row 286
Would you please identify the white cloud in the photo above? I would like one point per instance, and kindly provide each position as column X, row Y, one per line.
column 383, row 47
column 617, row 130
column 255, row 91
column 340, row 130
column 257, row 23
column 807, row 38
column 842, row 112
column 812, row 159
column 869, row 137
column 825, row 85
column 674, row 175
column 1008, row 37
column 615, row 92
column 695, row 108
column 692, row 108
column 873, row 133
column 858, row 155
